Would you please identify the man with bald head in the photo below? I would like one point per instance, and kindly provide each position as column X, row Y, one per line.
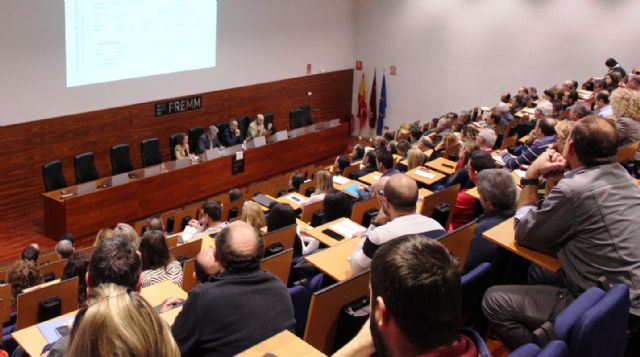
column 589, row 220
column 398, row 204
column 237, row 308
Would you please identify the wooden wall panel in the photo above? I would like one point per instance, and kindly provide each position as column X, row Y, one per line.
column 25, row 147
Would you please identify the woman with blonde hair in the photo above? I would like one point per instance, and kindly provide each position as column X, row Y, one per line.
column 324, row 184
column 252, row 214
column 415, row 158
column 119, row 322
column 104, row 233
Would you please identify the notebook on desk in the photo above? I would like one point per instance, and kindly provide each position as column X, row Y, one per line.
column 352, row 189
column 263, row 200
column 53, row 329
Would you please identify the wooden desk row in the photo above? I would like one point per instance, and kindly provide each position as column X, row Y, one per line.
column 84, row 214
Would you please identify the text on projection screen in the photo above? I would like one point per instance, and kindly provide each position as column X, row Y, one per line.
column 110, row 40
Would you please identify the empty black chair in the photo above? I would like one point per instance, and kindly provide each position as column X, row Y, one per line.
column 306, row 115
column 194, row 135
column 120, row 159
column 269, row 119
column 243, row 125
column 150, row 150
column 52, row 176
column 295, row 118
column 173, row 141
column 85, row 167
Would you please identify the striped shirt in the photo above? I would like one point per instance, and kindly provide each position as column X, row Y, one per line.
column 529, row 155
column 173, row 272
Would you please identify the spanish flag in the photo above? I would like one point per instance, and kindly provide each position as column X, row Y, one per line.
column 362, row 104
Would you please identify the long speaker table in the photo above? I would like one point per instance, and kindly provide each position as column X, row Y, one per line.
column 152, row 190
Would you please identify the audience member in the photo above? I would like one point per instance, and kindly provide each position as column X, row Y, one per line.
column 486, row 139
column 296, row 179
column 104, row 233
column 341, row 163
column 498, row 198
column 385, row 164
column 280, row 215
column 415, row 158
column 77, row 266
column 126, row 231
column 209, row 140
column 466, row 208
column 23, row 274
column 626, row 108
column 416, row 301
column 119, row 322
column 31, row 253
column 357, row 153
column 64, row 249
column 369, row 165
column 602, row 106
column 206, row 265
column 337, row 204
column 157, row 263
column 614, row 66
column 461, row 175
column 235, row 194
column 324, row 184
column 544, row 134
column 574, row 221
column 68, row 236
column 253, row 214
column 155, row 224
column 579, row 111
column 398, row 203
column 245, row 304
column 211, row 223
column 414, row 136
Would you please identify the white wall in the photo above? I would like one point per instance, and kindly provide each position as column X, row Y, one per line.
column 258, row 41
column 452, row 55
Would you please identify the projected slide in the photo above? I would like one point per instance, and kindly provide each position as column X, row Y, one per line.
column 110, row 40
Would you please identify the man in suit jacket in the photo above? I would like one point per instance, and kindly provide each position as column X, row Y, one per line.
column 231, row 135
column 209, row 140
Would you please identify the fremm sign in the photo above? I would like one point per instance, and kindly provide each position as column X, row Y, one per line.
column 178, row 106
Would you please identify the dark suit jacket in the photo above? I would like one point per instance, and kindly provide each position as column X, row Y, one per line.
column 204, row 143
column 229, row 139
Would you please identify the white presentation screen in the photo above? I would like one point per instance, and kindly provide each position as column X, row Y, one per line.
column 110, row 40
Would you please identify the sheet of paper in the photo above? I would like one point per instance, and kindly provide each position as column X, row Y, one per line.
column 347, row 228
column 498, row 159
column 426, row 174
column 340, row 180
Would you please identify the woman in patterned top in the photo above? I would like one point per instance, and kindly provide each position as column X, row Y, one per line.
column 157, row 264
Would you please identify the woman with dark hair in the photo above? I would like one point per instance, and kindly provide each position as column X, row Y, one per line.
column 23, row 275
column 157, row 264
column 336, row 205
column 612, row 79
column 341, row 163
column 77, row 266
column 280, row 215
column 296, row 179
column 283, row 215
column 182, row 146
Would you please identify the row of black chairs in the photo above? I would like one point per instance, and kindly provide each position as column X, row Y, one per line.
column 85, row 167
